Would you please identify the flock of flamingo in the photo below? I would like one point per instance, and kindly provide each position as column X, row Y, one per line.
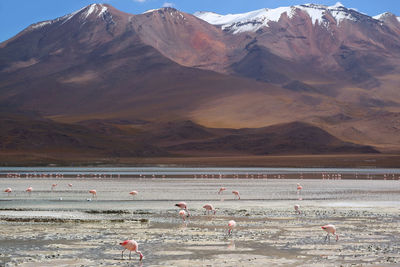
column 184, row 213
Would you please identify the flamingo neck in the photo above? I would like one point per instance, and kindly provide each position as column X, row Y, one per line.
column 141, row 255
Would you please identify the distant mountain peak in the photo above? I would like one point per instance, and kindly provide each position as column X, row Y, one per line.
column 338, row 5
column 97, row 10
column 254, row 20
column 161, row 9
column 386, row 16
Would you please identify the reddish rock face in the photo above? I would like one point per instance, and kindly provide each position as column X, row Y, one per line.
column 183, row 38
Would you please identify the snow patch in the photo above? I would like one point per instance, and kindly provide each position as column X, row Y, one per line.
column 250, row 21
column 69, row 16
column 337, row 5
column 151, row 10
column 92, row 8
column 380, row 16
column 41, row 24
column 315, row 12
column 254, row 20
column 102, row 11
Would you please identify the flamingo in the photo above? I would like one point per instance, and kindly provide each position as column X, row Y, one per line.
column 221, row 190
column 236, row 193
column 183, row 205
column 93, row 192
column 299, row 188
column 330, row 229
column 53, row 186
column 131, row 245
column 209, row 208
column 70, row 185
column 133, row 193
column 231, row 225
column 297, row 208
column 29, row 190
column 183, row 215
column 8, row 191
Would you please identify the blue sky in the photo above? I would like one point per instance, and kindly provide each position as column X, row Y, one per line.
column 15, row 15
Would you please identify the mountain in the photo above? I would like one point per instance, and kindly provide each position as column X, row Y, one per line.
column 334, row 51
column 94, row 64
column 334, row 40
column 170, row 83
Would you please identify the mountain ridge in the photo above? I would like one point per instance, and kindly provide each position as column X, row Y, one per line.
column 98, row 66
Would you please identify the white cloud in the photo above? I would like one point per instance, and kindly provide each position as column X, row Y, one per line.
column 166, row 4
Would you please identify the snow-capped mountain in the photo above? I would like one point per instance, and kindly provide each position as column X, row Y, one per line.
column 98, row 10
column 254, row 20
column 385, row 15
column 389, row 19
column 328, row 65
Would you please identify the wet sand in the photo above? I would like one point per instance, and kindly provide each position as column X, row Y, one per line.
column 42, row 230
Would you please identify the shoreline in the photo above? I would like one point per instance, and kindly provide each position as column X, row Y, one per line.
column 288, row 161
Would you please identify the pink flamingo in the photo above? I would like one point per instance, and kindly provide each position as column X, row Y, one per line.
column 8, row 191
column 133, row 193
column 299, row 188
column 29, row 190
column 131, row 245
column 330, row 229
column 231, row 225
column 183, row 205
column 297, row 208
column 236, row 193
column 209, row 208
column 183, row 215
column 53, row 186
column 93, row 192
column 221, row 190
column 70, row 185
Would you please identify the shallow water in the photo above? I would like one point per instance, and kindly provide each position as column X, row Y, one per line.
column 67, row 226
column 163, row 193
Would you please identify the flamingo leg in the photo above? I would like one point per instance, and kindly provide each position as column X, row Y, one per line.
column 122, row 254
column 130, row 252
column 329, row 238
